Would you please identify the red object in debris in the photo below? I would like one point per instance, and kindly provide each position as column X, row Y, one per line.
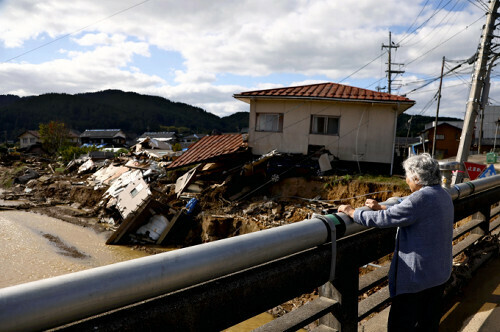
column 474, row 170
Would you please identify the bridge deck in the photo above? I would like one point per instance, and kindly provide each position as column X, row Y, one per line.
column 476, row 309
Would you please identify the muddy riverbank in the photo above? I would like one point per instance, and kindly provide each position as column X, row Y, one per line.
column 35, row 246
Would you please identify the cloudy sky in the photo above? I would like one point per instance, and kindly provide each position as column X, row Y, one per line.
column 202, row 52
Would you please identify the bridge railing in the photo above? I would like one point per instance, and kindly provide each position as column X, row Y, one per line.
column 213, row 286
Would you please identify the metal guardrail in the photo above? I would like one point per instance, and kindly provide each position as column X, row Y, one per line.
column 216, row 285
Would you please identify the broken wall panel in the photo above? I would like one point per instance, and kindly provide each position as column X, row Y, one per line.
column 133, row 196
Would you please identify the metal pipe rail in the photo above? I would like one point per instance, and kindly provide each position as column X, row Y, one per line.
column 52, row 302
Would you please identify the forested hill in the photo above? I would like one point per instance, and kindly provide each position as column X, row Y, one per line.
column 132, row 112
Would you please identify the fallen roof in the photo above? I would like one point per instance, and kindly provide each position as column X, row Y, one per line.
column 325, row 91
column 210, row 147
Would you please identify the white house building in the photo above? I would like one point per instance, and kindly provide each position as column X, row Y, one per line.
column 353, row 124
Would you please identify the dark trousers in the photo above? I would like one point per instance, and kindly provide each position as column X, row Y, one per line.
column 416, row 311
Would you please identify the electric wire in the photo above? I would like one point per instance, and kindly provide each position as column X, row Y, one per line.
column 436, row 11
column 480, row 5
column 441, row 44
column 74, row 32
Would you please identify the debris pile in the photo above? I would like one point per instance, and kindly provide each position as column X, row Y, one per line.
column 148, row 198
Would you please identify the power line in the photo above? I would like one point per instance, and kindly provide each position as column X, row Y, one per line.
column 436, row 11
column 76, row 31
column 447, row 40
column 369, row 63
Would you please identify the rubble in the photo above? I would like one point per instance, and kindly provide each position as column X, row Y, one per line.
column 142, row 201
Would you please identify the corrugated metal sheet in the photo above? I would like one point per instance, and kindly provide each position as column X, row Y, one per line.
column 210, row 147
column 325, row 91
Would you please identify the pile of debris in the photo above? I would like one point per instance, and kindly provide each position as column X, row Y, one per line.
column 215, row 190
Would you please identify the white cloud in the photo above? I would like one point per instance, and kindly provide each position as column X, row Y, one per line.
column 321, row 38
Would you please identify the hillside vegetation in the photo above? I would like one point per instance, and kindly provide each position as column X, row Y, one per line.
column 132, row 112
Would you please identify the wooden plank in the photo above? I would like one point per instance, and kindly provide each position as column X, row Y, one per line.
column 169, row 226
column 301, row 316
column 126, row 225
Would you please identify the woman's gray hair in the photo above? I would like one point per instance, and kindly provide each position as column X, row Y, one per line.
column 422, row 169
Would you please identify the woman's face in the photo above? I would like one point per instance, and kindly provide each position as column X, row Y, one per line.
column 411, row 183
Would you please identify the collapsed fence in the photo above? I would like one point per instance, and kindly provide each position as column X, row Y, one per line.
column 213, row 286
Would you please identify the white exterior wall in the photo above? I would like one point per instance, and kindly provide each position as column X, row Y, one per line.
column 366, row 131
column 27, row 139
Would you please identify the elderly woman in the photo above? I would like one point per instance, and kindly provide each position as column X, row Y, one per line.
column 422, row 258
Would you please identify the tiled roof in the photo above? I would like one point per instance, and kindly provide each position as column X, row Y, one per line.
column 332, row 91
column 31, row 132
column 210, row 147
column 158, row 134
column 100, row 133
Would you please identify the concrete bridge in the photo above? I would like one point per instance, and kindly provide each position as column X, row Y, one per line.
column 213, row 286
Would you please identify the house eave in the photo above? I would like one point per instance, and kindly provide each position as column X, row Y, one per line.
column 402, row 105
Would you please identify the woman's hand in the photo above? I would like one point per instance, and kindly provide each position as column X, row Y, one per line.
column 374, row 205
column 347, row 209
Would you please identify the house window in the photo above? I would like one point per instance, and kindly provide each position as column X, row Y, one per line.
column 32, row 140
column 439, row 137
column 324, row 125
column 269, row 122
column 25, row 140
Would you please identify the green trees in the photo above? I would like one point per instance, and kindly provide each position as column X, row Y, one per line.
column 54, row 136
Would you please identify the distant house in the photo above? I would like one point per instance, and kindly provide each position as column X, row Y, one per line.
column 107, row 137
column 447, row 139
column 163, row 136
column 353, row 124
column 28, row 138
column 74, row 137
column 32, row 137
column 193, row 138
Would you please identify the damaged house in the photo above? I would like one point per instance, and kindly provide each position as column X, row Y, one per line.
column 355, row 125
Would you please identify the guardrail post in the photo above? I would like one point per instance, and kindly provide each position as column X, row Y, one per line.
column 345, row 290
column 329, row 291
column 484, row 215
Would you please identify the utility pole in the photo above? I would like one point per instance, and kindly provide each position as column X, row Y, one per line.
column 389, row 70
column 478, row 80
column 437, row 111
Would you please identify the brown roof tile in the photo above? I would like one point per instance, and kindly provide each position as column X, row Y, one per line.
column 210, row 147
column 326, row 91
